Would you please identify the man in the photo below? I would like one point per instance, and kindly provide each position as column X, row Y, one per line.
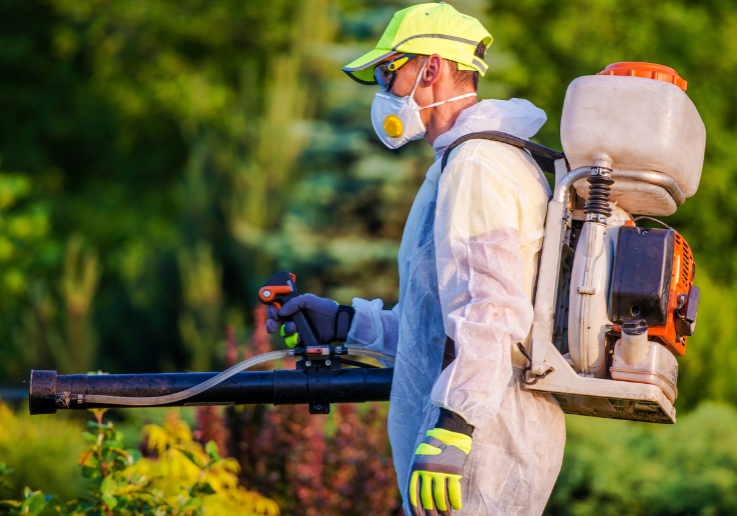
column 466, row 435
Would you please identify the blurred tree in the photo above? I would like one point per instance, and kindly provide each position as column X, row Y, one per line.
column 200, row 325
column 134, row 108
column 540, row 46
column 26, row 247
column 78, row 286
column 24, row 227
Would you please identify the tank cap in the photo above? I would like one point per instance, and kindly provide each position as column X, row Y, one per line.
column 646, row 71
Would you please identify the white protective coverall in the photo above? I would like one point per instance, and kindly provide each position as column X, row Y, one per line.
column 467, row 268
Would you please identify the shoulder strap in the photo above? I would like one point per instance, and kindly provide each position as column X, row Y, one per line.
column 544, row 157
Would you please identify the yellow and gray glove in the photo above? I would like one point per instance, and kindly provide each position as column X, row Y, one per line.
column 435, row 482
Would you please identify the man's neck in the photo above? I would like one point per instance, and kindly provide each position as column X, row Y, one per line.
column 444, row 116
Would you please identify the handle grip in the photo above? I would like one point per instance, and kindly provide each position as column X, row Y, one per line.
column 278, row 290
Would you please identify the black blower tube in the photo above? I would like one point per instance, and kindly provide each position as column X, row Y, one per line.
column 280, row 387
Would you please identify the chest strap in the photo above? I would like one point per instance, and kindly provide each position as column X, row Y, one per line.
column 544, row 157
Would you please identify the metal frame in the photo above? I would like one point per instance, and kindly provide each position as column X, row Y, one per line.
column 578, row 394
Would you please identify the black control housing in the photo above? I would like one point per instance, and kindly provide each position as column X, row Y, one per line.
column 641, row 276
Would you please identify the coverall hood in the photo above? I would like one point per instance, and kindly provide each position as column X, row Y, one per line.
column 517, row 117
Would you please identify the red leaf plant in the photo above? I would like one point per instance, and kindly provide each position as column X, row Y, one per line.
column 314, row 465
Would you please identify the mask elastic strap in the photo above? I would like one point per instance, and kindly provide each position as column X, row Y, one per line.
column 417, row 81
column 450, row 100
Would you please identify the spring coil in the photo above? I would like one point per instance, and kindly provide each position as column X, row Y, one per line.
column 597, row 207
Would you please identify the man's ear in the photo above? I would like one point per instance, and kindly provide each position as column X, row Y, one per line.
column 433, row 70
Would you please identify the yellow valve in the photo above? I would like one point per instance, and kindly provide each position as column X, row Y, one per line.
column 393, row 126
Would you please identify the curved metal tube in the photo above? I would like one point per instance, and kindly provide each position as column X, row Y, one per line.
column 653, row 178
column 562, row 189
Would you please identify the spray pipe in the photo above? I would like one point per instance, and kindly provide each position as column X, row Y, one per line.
column 319, row 373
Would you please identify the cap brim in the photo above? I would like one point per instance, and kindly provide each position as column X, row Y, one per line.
column 362, row 69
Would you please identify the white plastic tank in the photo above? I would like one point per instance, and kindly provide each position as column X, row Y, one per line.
column 645, row 361
column 639, row 116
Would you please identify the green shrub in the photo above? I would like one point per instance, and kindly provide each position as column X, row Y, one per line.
column 43, row 451
column 618, row 467
column 182, row 478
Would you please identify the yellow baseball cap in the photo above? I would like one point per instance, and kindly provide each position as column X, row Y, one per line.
column 426, row 29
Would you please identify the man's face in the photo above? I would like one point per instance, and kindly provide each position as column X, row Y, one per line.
column 436, row 83
column 406, row 76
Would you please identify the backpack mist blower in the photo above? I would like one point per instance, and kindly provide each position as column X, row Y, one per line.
column 614, row 305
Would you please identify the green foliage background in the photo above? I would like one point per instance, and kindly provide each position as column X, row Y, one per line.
column 161, row 159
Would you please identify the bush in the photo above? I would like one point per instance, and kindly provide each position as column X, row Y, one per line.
column 43, row 451
column 320, row 465
column 619, row 467
column 182, row 478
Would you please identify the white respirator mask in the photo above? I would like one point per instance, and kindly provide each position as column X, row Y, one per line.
column 397, row 120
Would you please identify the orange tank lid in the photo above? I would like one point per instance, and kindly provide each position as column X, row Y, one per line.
column 646, row 71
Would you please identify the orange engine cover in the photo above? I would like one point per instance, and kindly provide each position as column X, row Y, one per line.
column 681, row 281
column 684, row 271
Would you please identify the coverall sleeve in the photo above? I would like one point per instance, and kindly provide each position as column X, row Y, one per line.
column 480, row 279
column 373, row 327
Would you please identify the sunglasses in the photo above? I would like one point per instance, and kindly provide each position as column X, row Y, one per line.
column 386, row 72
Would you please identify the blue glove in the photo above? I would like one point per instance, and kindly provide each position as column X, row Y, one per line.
column 437, row 469
column 330, row 320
